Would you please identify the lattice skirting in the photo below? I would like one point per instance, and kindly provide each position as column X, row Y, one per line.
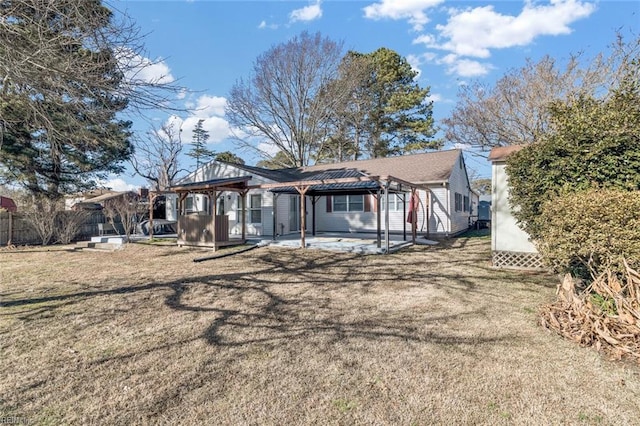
column 516, row 260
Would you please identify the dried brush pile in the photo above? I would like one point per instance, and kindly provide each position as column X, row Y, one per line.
column 605, row 315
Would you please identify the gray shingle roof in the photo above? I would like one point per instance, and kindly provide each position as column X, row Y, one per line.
column 417, row 168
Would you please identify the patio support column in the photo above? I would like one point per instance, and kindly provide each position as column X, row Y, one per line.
column 427, row 210
column 378, row 217
column 386, row 217
column 243, row 213
column 414, row 216
column 275, row 215
column 152, row 201
column 302, row 190
column 404, row 216
column 213, row 205
column 313, row 215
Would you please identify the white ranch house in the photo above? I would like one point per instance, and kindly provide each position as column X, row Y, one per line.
column 344, row 198
column 511, row 247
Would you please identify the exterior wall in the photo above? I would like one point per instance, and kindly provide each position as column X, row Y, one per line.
column 367, row 221
column 459, row 183
column 505, row 233
column 439, row 217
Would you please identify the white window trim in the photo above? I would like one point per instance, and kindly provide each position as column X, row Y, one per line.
column 348, row 204
column 252, row 208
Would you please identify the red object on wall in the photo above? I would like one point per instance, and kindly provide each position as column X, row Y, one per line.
column 413, row 208
column 8, row 204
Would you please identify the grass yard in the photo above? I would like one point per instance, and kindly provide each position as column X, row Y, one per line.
column 429, row 335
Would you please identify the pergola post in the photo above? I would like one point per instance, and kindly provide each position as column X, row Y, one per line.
column 386, row 217
column 313, row 215
column 404, row 216
column 213, row 206
column 152, row 198
column 414, row 215
column 275, row 214
column 379, row 216
column 243, row 213
column 302, row 190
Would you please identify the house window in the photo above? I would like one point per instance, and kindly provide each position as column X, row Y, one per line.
column 255, row 208
column 458, row 202
column 348, row 203
column 205, row 204
column 395, row 203
column 188, row 203
column 466, row 204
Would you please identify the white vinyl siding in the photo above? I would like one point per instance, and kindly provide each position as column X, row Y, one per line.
column 395, row 203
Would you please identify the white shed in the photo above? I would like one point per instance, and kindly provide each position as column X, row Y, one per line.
column 511, row 247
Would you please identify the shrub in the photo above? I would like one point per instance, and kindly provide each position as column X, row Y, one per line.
column 594, row 228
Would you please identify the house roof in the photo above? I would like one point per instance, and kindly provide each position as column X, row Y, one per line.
column 109, row 196
column 224, row 184
column 500, row 153
column 364, row 186
column 278, row 175
column 430, row 167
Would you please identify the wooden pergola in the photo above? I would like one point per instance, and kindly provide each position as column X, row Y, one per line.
column 317, row 186
column 209, row 229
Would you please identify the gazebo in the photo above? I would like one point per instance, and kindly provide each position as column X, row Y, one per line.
column 348, row 182
column 208, row 229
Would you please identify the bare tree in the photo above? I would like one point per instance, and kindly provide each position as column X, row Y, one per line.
column 515, row 110
column 40, row 212
column 157, row 156
column 128, row 209
column 69, row 68
column 281, row 103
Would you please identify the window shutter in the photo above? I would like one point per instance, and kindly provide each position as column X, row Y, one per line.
column 328, row 204
column 367, row 203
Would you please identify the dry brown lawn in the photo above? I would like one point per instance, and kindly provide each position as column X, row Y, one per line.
column 429, row 335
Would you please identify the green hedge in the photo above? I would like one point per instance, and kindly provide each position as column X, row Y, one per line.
column 594, row 228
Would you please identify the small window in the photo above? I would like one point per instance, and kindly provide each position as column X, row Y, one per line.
column 255, row 208
column 348, row 203
column 340, row 203
column 188, row 203
column 458, row 202
column 466, row 204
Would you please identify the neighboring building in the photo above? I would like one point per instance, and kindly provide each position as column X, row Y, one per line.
column 84, row 200
column 8, row 204
column 511, row 247
column 445, row 206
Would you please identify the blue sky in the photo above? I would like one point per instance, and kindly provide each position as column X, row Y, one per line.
column 207, row 45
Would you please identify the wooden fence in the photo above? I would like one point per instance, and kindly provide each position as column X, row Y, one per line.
column 22, row 233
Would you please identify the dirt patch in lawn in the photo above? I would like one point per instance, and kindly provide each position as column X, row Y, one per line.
column 427, row 335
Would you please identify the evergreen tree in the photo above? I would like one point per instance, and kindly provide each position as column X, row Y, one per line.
column 59, row 130
column 199, row 150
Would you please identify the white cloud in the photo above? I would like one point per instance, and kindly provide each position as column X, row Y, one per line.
column 415, row 63
column 464, row 67
column 473, row 32
column 426, row 39
column 206, row 106
column 264, row 25
column 307, row 13
column 217, row 127
column 268, row 148
column 434, row 97
column 411, row 10
column 141, row 70
column 118, row 184
column 462, row 146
